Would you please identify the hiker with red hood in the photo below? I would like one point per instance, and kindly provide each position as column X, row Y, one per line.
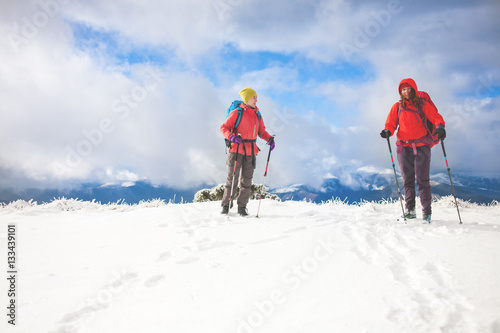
column 411, row 117
column 241, row 129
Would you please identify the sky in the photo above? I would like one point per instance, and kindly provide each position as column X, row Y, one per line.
column 115, row 92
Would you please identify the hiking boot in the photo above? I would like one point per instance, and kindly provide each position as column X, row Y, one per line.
column 410, row 214
column 243, row 211
column 427, row 218
column 225, row 210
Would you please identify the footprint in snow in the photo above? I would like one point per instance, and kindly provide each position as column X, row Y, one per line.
column 360, row 244
column 209, row 243
column 164, row 256
column 154, row 281
column 187, row 260
column 72, row 321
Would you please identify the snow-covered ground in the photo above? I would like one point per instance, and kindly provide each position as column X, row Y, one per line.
column 300, row 267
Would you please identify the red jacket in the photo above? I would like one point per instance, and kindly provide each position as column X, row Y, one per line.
column 249, row 128
column 411, row 127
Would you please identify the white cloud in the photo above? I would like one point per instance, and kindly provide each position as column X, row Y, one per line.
column 71, row 113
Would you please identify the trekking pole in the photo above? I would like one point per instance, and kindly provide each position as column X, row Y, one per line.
column 234, row 175
column 396, row 177
column 451, row 182
column 263, row 182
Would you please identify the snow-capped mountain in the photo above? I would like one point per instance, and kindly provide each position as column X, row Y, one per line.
column 369, row 185
column 127, row 192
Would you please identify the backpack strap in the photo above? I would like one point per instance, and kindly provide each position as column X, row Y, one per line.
column 240, row 114
column 238, row 120
column 419, row 113
column 237, row 105
column 421, row 118
column 253, row 151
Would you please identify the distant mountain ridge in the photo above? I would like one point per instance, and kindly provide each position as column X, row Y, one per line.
column 369, row 186
column 129, row 193
column 377, row 186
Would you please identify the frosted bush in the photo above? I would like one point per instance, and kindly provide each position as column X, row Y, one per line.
column 214, row 194
column 259, row 191
column 203, row 196
column 19, row 204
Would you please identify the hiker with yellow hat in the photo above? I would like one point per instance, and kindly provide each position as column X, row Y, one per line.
column 241, row 129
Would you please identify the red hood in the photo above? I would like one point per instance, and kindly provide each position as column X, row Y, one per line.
column 408, row 81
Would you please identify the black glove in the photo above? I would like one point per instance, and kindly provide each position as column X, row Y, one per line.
column 385, row 134
column 440, row 132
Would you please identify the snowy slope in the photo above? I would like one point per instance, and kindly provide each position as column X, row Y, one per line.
column 301, row 267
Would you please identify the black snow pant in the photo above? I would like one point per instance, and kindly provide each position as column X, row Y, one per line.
column 418, row 165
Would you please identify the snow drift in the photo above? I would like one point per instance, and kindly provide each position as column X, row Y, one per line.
column 300, row 267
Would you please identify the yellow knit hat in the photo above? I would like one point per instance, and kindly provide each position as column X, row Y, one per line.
column 247, row 94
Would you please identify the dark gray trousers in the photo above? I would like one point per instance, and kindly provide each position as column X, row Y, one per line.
column 418, row 165
column 246, row 168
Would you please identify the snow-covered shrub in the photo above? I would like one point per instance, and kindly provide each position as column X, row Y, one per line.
column 73, row 204
column 153, row 203
column 19, row 204
column 216, row 193
column 202, row 195
column 259, row 191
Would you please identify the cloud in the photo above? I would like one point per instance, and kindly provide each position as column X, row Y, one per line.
column 67, row 115
column 120, row 92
